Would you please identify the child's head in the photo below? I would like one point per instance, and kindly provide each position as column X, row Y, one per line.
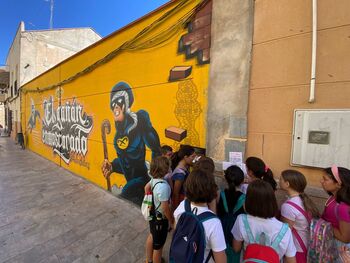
column 294, row 180
column 234, row 176
column 186, row 153
column 205, row 163
column 159, row 167
column 261, row 200
column 166, row 151
column 336, row 180
column 200, row 187
column 257, row 169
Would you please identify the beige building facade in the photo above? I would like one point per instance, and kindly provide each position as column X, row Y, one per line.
column 281, row 70
column 34, row 52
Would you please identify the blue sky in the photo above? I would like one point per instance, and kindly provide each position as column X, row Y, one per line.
column 104, row 16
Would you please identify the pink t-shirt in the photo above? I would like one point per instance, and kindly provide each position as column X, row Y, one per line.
column 334, row 212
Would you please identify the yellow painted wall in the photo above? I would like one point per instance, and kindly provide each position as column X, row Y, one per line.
column 280, row 73
column 146, row 71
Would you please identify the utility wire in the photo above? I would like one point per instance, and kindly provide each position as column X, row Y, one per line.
column 135, row 43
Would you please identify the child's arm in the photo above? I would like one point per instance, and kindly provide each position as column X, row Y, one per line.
column 288, row 221
column 176, row 193
column 148, row 188
column 167, row 212
column 343, row 233
column 237, row 245
column 290, row 260
column 220, row 257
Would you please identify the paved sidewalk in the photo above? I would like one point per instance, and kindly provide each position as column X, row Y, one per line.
column 49, row 215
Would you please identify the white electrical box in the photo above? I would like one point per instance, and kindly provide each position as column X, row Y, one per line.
column 321, row 138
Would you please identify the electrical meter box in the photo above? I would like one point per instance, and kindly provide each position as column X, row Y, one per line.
column 321, row 138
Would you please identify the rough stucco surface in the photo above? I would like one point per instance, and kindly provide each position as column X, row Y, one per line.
column 34, row 52
column 232, row 25
column 50, row 47
column 280, row 75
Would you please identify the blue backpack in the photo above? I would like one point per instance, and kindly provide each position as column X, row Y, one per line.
column 188, row 243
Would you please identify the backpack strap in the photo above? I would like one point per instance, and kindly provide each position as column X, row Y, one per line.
column 187, row 206
column 280, row 236
column 247, row 228
column 299, row 239
column 336, row 212
column 224, row 201
column 306, row 215
column 209, row 256
column 202, row 218
column 239, row 203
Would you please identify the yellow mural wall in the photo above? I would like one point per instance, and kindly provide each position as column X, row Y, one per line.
column 63, row 120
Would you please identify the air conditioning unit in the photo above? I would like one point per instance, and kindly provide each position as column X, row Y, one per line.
column 321, row 138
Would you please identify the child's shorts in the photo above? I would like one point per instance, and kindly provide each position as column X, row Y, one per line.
column 159, row 232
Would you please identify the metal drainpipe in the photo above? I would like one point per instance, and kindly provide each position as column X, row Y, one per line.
column 314, row 46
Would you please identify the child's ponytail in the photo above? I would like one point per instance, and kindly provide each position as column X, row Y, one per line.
column 234, row 177
column 261, row 171
column 309, row 206
column 268, row 177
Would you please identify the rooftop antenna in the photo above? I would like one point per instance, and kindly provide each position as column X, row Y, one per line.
column 51, row 12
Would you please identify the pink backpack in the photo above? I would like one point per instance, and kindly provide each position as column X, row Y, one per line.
column 322, row 247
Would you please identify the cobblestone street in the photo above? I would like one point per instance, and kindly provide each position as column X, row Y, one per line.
column 48, row 214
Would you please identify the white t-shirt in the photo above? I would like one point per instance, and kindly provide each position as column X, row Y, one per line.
column 271, row 227
column 301, row 224
column 243, row 188
column 214, row 235
column 161, row 192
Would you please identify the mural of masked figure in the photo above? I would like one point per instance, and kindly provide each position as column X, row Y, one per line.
column 134, row 132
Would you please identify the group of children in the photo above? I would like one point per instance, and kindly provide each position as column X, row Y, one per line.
column 243, row 222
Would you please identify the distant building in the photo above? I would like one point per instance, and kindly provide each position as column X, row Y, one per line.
column 33, row 52
column 4, row 82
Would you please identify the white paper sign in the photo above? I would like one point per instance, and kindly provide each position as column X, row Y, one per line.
column 236, row 158
column 226, row 165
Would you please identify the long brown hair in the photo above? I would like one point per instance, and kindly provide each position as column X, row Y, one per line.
column 297, row 182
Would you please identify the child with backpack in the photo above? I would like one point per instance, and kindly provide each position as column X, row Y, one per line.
column 262, row 237
column 204, row 163
column 257, row 169
column 161, row 213
column 198, row 235
column 230, row 205
column 297, row 211
column 180, row 164
column 336, row 182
